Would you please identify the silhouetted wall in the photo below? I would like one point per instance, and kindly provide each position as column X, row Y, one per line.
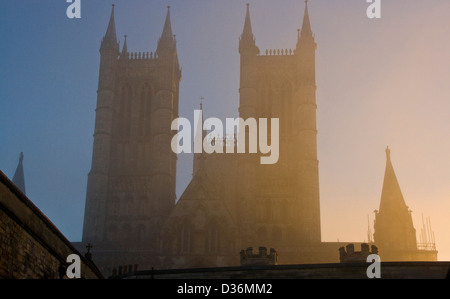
column 30, row 245
column 389, row 270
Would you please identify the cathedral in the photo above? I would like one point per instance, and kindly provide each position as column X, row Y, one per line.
column 132, row 216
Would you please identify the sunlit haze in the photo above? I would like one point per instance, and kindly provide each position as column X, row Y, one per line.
column 380, row 82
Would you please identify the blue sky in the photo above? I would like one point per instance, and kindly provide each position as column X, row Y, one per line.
column 380, row 82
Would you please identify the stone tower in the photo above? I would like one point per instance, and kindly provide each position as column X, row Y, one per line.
column 394, row 230
column 281, row 201
column 131, row 185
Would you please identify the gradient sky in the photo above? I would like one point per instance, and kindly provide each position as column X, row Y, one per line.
column 380, row 83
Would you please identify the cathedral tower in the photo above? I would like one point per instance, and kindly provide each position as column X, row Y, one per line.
column 131, row 185
column 281, row 201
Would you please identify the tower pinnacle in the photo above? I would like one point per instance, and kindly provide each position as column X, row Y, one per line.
column 19, row 178
column 247, row 32
column 305, row 34
column 111, row 31
column 167, row 40
column 247, row 40
column 110, row 39
column 167, row 31
column 391, row 197
column 125, row 48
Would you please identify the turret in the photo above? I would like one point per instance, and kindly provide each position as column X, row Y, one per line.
column 247, row 109
column 305, row 128
column 165, row 110
column 124, row 54
column 306, row 49
column 98, row 176
column 248, row 51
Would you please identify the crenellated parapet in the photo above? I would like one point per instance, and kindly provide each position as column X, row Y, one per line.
column 248, row 258
column 279, row 52
column 349, row 255
column 140, row 56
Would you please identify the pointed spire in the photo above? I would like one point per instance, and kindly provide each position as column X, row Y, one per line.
column 125, row 48
column 198, row 157
column 19, row 177
column 167, row 40
column 306, row 27
column 111, row 31
column 305, row 35
column 247, row 40
column 203, row 118
column 391, row 195
column 247, row 32
column 110, row 39
column 167, row 31
column 393, row 226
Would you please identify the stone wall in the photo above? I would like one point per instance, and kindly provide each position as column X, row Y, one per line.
column 389, row 270
column 30, row 245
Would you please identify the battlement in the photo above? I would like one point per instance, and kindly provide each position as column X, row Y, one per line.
column 279, row 52
column 140, row 56
column 248, row 258
column 349, row 255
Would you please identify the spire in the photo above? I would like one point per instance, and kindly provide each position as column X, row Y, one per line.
column 305, row 35
column 247, row 32
column 247, row 39
column 125, row 48
column 306, row 27
column 167, row 31
column 111, row 31
column 393, row 226
column 391, row 195
column 110, row 39
column 167, row 39
column 19, row 178
column 203, row 118
column 198, row 157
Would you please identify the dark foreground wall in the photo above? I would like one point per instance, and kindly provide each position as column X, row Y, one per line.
column 30, row 245
column 389, row 270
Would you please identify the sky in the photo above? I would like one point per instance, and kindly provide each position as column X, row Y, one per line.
column 380, row 82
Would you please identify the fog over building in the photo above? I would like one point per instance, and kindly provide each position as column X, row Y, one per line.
column 233, row 202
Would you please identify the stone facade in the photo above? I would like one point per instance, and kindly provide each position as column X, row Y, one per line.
column 233, row 201
column 30, row 245
column 131, row 185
